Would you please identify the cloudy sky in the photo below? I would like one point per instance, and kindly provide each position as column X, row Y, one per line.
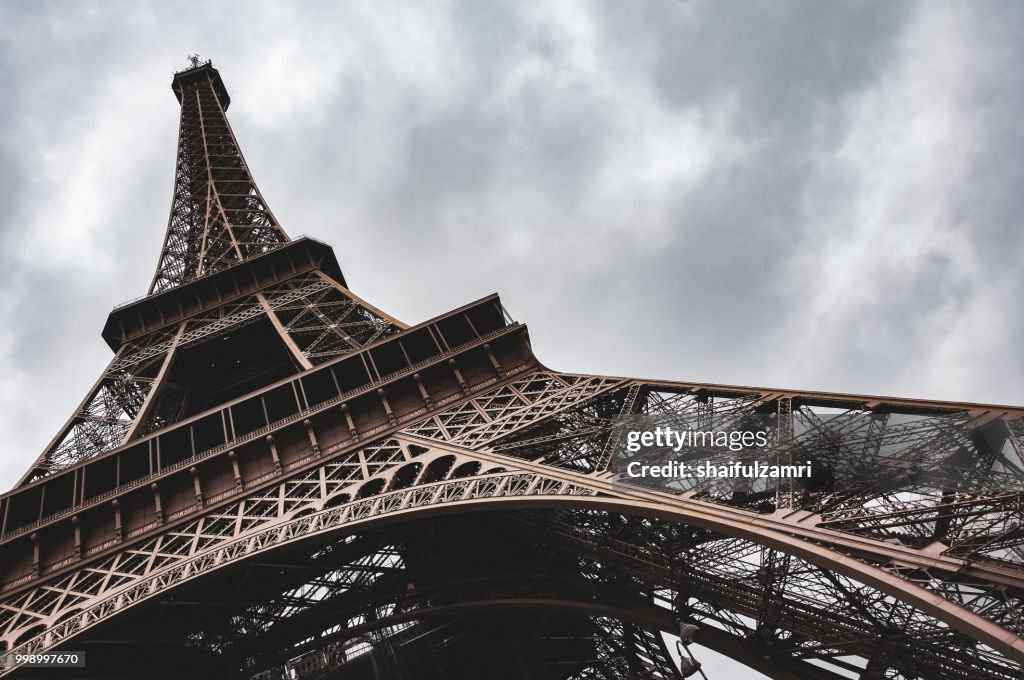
column 805, row 194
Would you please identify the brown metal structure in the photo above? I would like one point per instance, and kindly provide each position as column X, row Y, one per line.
column 275, row 480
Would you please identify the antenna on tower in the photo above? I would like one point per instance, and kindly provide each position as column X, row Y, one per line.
column 194, row 58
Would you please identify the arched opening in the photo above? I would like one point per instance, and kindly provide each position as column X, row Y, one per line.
column 371, row 488
column 29, row 634
column 405, row 476
column 337, row 500
column 438, row 469
column 466, row 470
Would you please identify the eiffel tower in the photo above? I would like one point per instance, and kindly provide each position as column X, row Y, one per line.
column 273, row 479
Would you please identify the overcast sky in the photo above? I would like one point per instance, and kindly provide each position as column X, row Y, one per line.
column 805, row 194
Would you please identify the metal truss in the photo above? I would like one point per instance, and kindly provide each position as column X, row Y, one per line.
column 218, row 216
column 324, row 320
column 539, row 437
column 786, row 609
column 317, row 317
column 104, row 418
column 359, row 588
column 615, row 650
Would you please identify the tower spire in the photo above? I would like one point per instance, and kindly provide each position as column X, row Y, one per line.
column 218, row 216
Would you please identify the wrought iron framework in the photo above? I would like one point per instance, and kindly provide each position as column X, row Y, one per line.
column 218, row 216
column 369, row 497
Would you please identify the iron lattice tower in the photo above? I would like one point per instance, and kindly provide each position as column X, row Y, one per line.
column 218, row 217
column 274, row 479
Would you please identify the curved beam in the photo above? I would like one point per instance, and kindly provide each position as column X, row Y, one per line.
column 526, row 490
